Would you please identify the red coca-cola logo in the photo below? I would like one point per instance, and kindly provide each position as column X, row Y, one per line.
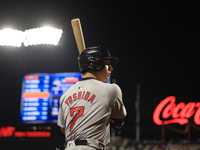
column 168, row 112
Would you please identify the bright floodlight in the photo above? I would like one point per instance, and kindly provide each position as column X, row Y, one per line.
column 45, row 35
column 10, row 37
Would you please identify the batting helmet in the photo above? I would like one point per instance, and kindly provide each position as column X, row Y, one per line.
column 92, row 59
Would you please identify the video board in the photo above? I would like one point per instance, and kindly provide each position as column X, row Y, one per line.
column 41, row 93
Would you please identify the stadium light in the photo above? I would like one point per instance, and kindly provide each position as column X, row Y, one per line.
column 35, row 36
column 44, row 35
column 11, row 37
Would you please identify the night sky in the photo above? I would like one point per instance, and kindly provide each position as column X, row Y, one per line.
column 157, row 44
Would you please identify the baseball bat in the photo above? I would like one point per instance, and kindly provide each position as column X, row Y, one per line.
column 78, row 33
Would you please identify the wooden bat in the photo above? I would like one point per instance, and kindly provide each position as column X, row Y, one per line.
column 78, row 33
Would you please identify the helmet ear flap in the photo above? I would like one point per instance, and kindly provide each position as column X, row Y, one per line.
column 85, row 65
column 96, row 66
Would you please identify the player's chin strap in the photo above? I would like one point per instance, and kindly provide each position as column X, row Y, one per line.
column 116, row 123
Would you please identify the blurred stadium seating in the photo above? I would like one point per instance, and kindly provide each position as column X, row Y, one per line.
column 119, row 143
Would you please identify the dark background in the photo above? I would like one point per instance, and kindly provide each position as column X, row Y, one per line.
column 157, row 44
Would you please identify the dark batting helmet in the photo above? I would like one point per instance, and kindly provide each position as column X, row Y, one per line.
column 92, row 59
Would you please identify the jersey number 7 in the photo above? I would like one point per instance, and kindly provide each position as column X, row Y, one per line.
column 79, row 112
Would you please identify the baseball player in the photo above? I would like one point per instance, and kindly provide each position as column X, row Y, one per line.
column 89, row 107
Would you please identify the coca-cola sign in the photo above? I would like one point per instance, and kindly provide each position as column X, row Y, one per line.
column 168, row 112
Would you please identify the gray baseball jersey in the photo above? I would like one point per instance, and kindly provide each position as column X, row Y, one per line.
column 86, row 108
